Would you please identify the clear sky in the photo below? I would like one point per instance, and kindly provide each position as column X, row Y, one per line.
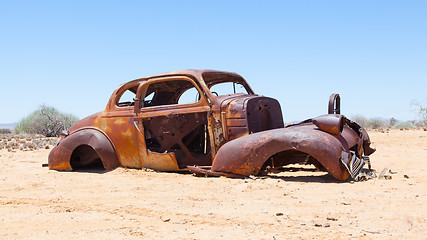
column 72, row 54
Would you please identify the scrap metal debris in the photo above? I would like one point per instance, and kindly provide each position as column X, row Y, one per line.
column 384, row 174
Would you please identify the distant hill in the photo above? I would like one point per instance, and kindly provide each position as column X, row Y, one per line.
column 7, row 125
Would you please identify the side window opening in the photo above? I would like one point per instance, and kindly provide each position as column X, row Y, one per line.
column 126, row 99
column 226, row 88
column 189, row 96
column 171, row 93
column 148, row 99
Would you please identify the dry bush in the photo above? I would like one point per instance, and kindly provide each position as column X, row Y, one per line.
column 5, row 131
column 372, row 123
column 361, row 120
column 422, row 113
column 46, row 121
column 377, row 123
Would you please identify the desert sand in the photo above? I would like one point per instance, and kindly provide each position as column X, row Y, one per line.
column 300, row 203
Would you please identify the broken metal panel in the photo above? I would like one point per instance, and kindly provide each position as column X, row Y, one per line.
column 319, row 141
column 215, row 129
column 247, row 155
column 162, row 133
column 181, row 134
column 152, row 160
column 160, row 161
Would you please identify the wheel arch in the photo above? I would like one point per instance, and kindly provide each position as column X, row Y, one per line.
column 247, row 155
column 60, row 156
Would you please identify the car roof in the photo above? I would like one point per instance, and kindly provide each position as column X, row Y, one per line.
column 196, row 74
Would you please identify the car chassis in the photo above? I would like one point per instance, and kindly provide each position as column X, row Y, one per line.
column 233, row 133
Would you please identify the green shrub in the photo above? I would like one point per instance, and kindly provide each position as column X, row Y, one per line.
column 406, row 124
column 46, row 121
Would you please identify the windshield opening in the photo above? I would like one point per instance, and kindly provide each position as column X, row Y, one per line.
column 226, row 84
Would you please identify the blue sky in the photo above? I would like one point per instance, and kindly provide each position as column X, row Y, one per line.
column 72, row 54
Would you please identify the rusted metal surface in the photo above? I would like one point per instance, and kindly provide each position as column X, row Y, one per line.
column 227, row 133
column 246, row 156
column 331, row 123
column 279, row 147
column 83, row 138
column 246, row 115
column 334, row 106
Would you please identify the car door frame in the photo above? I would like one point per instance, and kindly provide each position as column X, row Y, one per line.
column 155, row 160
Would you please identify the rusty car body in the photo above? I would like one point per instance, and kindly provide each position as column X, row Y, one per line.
column 209, row 122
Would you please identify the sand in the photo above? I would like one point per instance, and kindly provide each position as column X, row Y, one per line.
column 37, row 203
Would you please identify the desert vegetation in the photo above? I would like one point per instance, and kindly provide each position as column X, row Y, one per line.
column 46, row 121
column 392, row 123
column 5, row 131
column 26, row 142
column 39, row 130
column 378, row 123
column 381, row 123
column 422, row 112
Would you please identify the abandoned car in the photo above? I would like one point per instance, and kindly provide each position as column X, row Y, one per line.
column 209, row 122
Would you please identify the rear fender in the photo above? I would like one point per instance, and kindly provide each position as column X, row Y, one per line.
column 59, row 157
column 247, row 155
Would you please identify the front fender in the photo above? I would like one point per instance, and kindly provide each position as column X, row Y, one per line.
column 59, row 157
column 247, row 155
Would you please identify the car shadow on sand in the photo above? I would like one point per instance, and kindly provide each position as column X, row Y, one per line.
column 99, row 169
column 325, row 178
